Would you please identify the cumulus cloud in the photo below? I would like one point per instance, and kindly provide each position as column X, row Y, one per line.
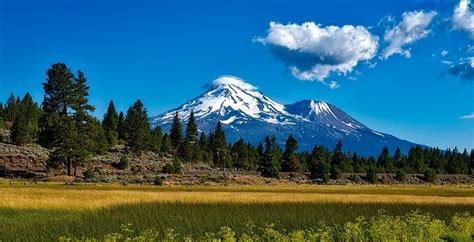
column 444, row 53
column 413, row 27
column 313, row 52
column 463, row 18
column 468, row 116
column 464, row 69
column 333, row 85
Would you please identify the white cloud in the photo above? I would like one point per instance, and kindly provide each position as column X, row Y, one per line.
column 468, row 116
column 333, row 85
column 446, row 62
column 444, row 53
column 463, row 18
column 313, row 52
column 413, row 27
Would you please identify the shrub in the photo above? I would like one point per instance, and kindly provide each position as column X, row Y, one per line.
column 335, row 172
column 371, row 175
column 429, row 175
column 400, row 175
column 122, row 164
column 158, row 181
column 89, row 174
column 355, row 178
column 172, row 167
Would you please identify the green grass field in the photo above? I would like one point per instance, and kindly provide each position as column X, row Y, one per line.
column 44, row 212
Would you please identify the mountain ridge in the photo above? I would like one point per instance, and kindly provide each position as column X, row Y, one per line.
column 246, row 112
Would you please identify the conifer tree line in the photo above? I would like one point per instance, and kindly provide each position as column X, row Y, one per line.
column 63, row 123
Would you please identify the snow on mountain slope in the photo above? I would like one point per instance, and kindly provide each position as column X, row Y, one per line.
column 233, row 100
column 246, row 112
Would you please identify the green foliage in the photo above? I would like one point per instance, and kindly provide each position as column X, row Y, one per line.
column 137, row 128
column 412, row 226
column 158, row 181
column 176, row 135
column 372, row 175
column 270, row 163
column 25, row 127
column 400, row 175
column 172, row 167
column 156, row 140
column 355, row 178
column 335, row 172
column 290, row 161
column 429, row 175
column 191, row 152
column 122, row 164
column 110, row 124
column 318, row 164
column 66, row 124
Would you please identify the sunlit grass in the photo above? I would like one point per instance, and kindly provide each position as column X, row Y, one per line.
column 42, row 212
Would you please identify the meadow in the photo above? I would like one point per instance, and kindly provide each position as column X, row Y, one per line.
column 47, row 211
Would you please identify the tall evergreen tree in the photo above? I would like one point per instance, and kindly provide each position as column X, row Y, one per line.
column 176, row 135
column 25, row 126
column 66, row 123
column 385, row 161
column 318, row 164
column 11, row 109
column 137, row 128
column 337, row 161
column 121, row 130
column 191, row 140
column 166, row 146
column 290, row 161
column 110, row 124
column 156, row 139
column 219, row 148
column 270, row 163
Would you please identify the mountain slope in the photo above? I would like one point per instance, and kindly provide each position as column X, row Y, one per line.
column 246, row 112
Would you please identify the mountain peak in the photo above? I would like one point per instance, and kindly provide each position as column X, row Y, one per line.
column 227, row 80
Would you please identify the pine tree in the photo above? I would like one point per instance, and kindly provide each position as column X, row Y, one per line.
column 2, row 117
column 166, row 146
column 191, row 141
column 156, row 139
column 318, row 164
column 270, row 163
column 88, row 128
column 338, row 158
column 11, row 109
column 122, row 132
column 290, row 162
column 25, row 127
column 110, row 124
column 176, row 135
column 57, row 101
column 137, row 128
column 384, row 160
column 219, row 147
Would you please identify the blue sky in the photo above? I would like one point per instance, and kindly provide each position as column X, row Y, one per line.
column 416, row 83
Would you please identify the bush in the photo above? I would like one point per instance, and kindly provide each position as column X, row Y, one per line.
column 355, row 178
column 158, row 181
column 88, row 174
column 372, row 175
column 335, row 172
column 429, row 175
column 172, row 168
column 400, row 175
column 413, row 226
column 122, row 164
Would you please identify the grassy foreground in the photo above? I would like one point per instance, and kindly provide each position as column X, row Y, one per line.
column 44, row 212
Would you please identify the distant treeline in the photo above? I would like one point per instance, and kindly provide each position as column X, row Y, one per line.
column 63, row 123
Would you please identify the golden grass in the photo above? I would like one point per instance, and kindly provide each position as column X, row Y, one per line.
column 84, row 197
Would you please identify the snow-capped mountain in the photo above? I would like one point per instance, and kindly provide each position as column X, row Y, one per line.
column 248, row 113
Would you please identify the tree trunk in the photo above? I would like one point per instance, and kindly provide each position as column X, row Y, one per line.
column 75, row 169
column 68, row 164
